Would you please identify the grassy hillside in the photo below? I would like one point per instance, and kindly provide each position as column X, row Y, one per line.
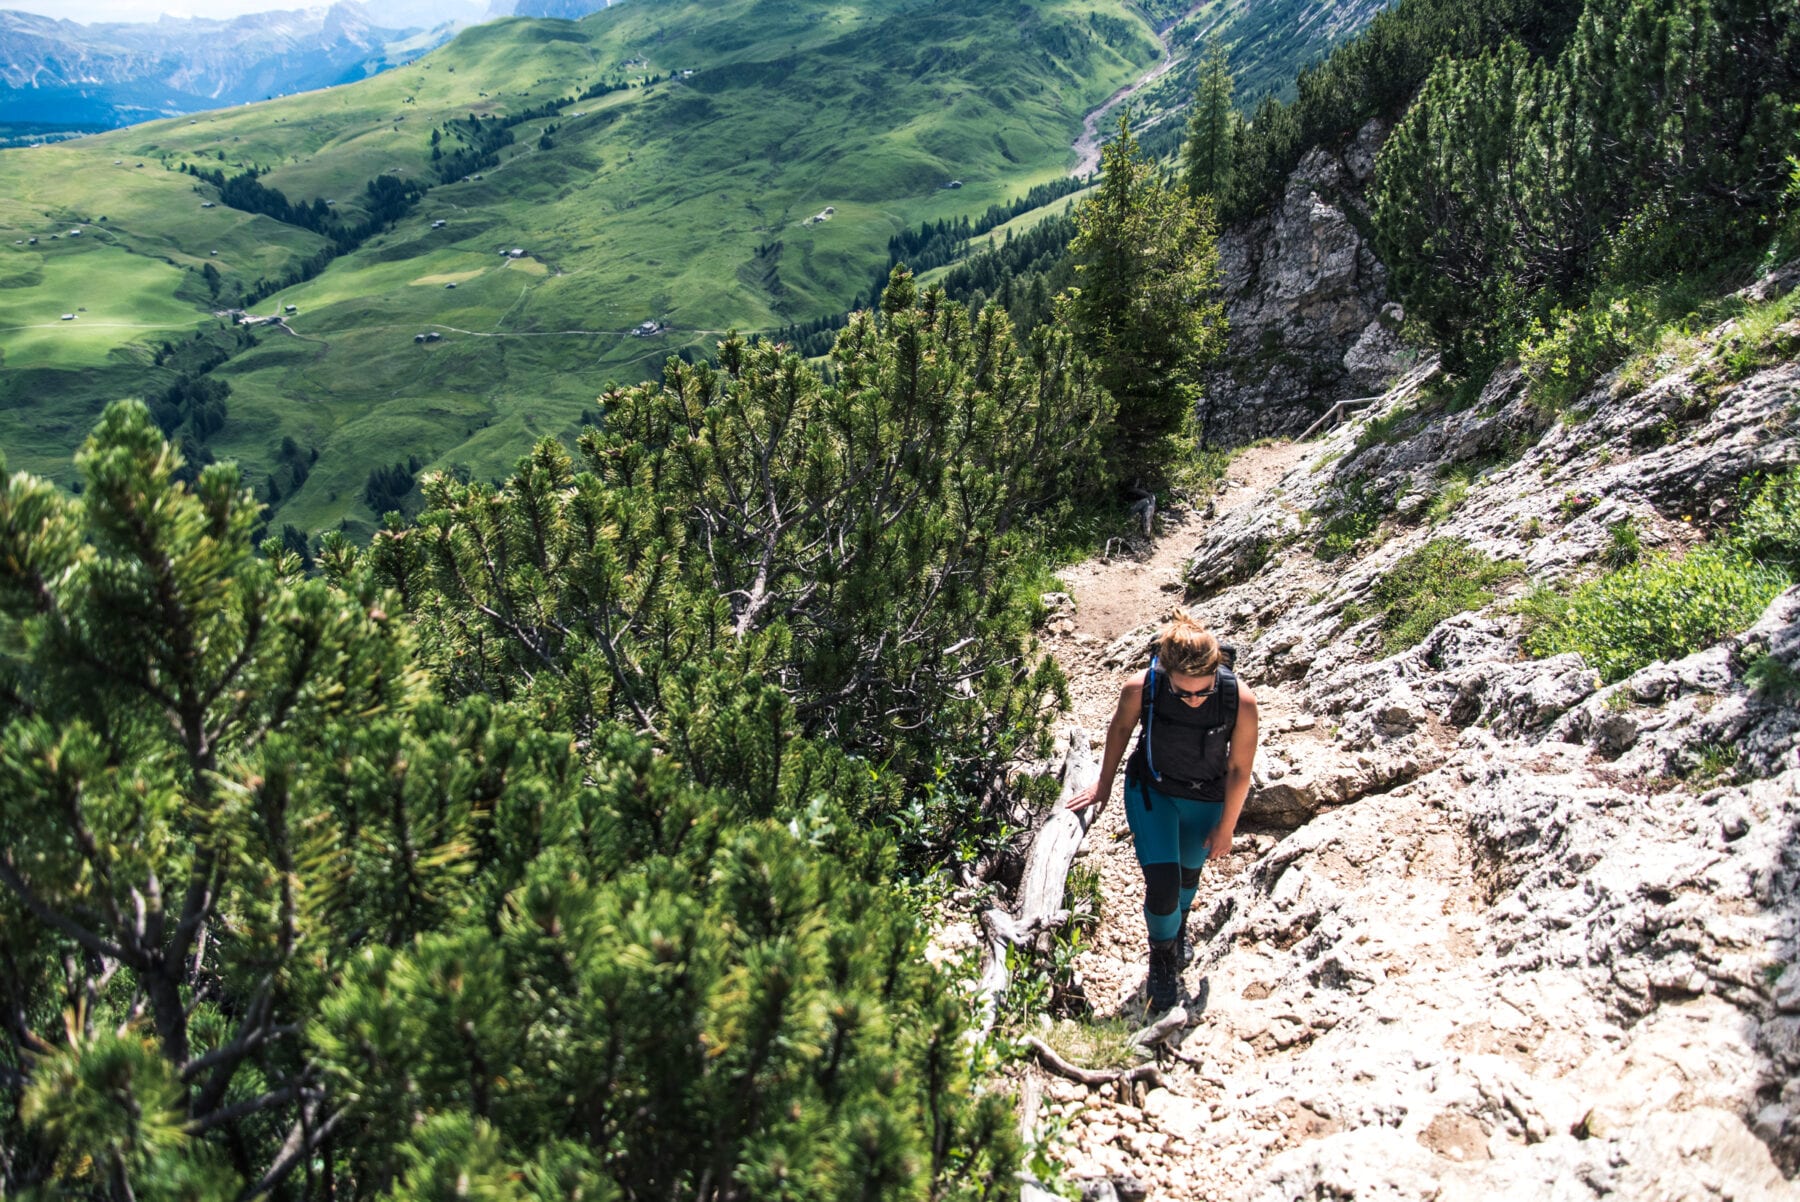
column 685, row 202
column 1269, row 44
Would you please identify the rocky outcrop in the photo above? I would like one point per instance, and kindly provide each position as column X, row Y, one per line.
column 1310, row 319
column 1544, row 969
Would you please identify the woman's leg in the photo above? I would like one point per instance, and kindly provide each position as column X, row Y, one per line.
column 1155, row 830
column 1198, row 820
column 1155, row 825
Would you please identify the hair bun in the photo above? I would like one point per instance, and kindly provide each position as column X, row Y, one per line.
column 1186, row 645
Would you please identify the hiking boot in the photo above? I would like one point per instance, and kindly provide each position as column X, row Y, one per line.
column 1185, row 951
column 1165, row 975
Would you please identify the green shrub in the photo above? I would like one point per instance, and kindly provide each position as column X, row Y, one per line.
column 1769, row 529
column 1458, row 480
column 1383, row 429
column 1574, row 503
column 1624, row 547
column 1443, row 578
column 1762, row 338
column 1349, row 514
column 1662, row 608
column 1768, row 677
column 1562, row 359
column 1542, row 607
column 1448, row 500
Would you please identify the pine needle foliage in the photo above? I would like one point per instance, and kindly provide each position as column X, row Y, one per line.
column 748, row 563
column 1147, row 307
column 1376, row 75
column 290, row 906
column 1206, row 155
column 1658, row 134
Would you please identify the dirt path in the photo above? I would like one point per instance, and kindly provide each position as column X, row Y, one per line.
column 1113, row 598
column 1087, row 146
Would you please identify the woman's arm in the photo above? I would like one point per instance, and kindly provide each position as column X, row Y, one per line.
column 1237, row 772
column 1118, row 735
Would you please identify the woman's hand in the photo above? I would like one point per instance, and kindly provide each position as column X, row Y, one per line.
column 1220, row 843
column 1092, row 795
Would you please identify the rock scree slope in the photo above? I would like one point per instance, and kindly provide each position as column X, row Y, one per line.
column 1490, row 928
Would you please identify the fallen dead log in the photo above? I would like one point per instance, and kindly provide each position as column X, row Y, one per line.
column 1039, row 910
column 1089, row 1076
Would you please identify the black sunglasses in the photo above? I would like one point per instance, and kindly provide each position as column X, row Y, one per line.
column 1190, row 694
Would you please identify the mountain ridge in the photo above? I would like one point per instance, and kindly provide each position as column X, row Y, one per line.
column 60, row 71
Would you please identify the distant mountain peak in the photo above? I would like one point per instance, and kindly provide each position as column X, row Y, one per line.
column 66, row 73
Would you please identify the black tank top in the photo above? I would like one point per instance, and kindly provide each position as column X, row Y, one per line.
column 1191, row 744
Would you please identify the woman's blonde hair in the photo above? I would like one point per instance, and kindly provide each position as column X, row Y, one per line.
column 1184, row 645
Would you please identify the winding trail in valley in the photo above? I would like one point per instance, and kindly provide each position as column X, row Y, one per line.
column 1087, row 146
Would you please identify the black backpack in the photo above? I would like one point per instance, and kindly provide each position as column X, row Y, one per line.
column 1227, row 659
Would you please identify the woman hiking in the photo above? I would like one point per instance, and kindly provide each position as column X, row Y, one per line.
column 1185, row 782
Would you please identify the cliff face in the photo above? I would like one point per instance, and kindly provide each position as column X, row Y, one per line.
column 1311, row 323
column 1491, row 928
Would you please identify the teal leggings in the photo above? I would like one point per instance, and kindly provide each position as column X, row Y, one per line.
column 1171, row 835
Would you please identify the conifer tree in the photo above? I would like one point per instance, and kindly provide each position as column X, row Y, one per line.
column 277, row 918
column 1656, row 138
column 746, row 553
column 1146, row 309
column 1451, row 199
column 1210, row 131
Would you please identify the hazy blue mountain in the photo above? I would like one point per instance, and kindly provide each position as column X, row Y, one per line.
column 567, row 10
column 63, row 73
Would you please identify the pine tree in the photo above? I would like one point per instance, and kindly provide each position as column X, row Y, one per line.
column 746, row 553
column 1210, row 131
column 1454, row 186
column 1147, row 309
column 1657, row 136
column 278, row 918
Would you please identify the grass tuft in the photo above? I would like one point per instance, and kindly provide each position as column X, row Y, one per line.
column 1443, row 578
column 1095, row 1043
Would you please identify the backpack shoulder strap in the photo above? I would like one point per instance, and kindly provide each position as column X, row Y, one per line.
column 1148, row 718
column 1147, row 694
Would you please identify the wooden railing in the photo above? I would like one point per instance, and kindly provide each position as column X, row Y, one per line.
column 1337, row 412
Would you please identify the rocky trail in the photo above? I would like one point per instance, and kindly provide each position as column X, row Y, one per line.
column 1490, row 927
column 1163, row 1141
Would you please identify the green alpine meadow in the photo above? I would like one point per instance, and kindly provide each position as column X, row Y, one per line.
column 562, row 206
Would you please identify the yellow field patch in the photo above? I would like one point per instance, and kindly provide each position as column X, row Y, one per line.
column 528, row 266
column 448, row 277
